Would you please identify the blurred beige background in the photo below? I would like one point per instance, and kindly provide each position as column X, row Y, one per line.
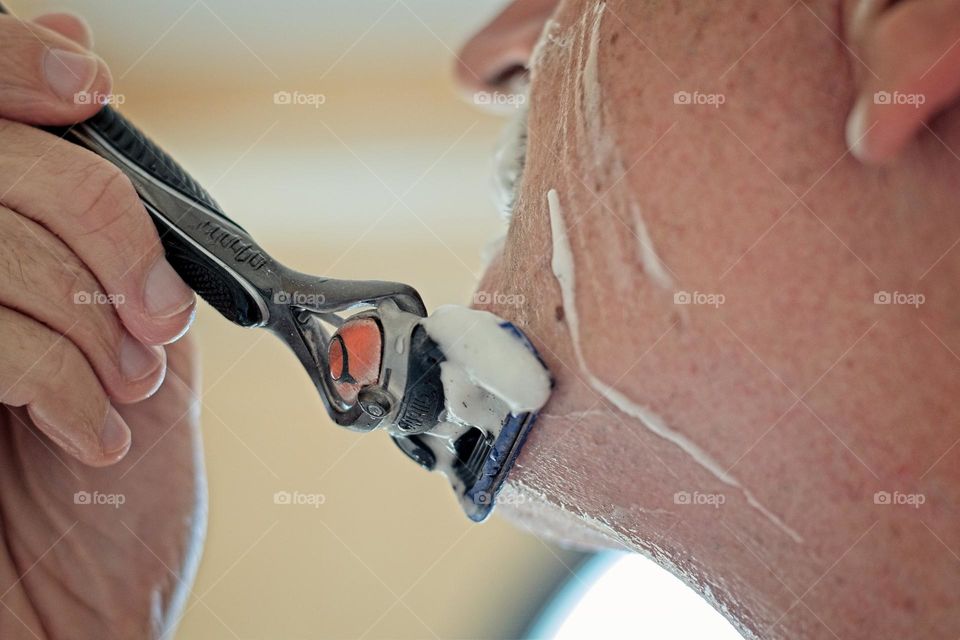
column 386, row 179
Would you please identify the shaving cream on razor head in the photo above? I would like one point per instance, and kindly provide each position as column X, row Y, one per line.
column 458, row 391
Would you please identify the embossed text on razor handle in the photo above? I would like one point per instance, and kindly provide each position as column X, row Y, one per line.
column 243, row 250
column 192, row 223
column 223, row 264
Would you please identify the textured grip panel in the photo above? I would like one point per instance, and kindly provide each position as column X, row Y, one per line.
column 204, row 275
column 207, row 278
column 138, row 148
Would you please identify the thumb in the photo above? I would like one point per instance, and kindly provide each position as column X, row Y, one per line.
column 46, row 78
column 67, row 24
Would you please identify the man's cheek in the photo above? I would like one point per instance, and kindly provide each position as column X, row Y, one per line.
column 514, row 285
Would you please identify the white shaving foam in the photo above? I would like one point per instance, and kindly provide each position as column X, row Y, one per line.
column 480, row 353
column 563, row 270
column 591, row 97
column 546, row 39
column 648, row 255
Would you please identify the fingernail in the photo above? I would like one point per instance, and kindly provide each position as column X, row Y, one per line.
column 856, row 131
column 115, row 436
column 68, row 73
column 166, row 294
column 137, row 360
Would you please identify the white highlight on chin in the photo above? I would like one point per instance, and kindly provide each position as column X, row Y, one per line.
column 563, row 270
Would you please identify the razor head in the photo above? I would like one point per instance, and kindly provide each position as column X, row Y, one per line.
column 382, row 363
column 385, row 362
column 479, row 462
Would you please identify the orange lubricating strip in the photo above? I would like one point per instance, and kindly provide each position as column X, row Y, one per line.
column 354, row 357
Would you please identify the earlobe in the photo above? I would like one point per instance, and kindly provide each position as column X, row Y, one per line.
column 909, row 54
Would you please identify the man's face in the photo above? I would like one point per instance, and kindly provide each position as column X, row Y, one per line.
column 721, row 331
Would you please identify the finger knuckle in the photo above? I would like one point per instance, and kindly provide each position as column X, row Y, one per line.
column 41, row 276
column 99, row 332
column 69, row 281
column 58, row 365
column 104, row 199
column 37, row 262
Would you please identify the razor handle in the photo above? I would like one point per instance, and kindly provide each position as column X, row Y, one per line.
column 213, row 254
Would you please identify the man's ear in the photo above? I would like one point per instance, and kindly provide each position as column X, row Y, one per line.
column 908, row 54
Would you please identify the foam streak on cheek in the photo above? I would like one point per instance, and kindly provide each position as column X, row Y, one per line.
column 563, row 270
column 546, row 39
column 598, row 149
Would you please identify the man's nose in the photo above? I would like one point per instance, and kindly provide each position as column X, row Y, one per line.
column 496, row 58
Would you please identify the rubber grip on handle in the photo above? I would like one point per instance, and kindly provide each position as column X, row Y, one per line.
column 218, row 287
column 208, row 279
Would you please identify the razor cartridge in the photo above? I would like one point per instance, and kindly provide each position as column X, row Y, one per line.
column 364, row 344
column 387, row 362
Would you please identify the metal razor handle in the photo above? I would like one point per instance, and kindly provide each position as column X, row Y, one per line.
column 213, row 254
column 219, row 260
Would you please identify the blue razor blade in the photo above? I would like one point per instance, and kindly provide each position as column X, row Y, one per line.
column 479, row 500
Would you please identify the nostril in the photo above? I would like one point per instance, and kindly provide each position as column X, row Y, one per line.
column 496, row 58
column 510, row 78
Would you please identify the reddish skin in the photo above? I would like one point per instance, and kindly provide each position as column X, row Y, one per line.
column 879, row 383
column 97, row 571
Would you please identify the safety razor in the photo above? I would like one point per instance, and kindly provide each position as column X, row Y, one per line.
column 360, row 341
